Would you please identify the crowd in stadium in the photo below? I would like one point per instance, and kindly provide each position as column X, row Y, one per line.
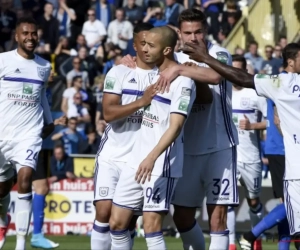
column 89, row 37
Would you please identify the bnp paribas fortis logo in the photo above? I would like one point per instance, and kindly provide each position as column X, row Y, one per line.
column 27, row 88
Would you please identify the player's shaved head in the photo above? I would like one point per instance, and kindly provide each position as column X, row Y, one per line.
column 168, row 36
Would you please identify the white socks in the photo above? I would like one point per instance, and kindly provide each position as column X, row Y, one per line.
column 120, row 240
column 193, row 238
column 256, row 214
column 4, row 203
column 100, row 238
column 155, row 241
column 231, row 225
column 23, row 215
column 219, row 240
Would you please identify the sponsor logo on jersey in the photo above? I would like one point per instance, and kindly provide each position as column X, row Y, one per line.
column 263, row 76
column 103, row 191
column 222, row 56
column 109, row 83
column 186, row 91
column 132, row 81
column 245, row 102
column 41, row 72
column 183, row 104
column 296, row 88
column 27, row 88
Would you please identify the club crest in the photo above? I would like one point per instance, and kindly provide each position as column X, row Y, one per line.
column 245, row 102
column 41, row 72
column 103, row 191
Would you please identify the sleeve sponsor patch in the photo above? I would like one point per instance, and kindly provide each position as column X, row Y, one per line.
column 222, row 57
column 183, row 104
column 186, row 91
column 109, row 83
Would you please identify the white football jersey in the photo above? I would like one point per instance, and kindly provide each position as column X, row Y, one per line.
column 210, row 127
column 119, row 136
column 24, row 107
column 284, row 91
column 156, row 120
column 246, row 102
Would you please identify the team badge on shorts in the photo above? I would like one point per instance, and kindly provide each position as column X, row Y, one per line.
column 245, row 102
column 103, row 191
column 41, row 72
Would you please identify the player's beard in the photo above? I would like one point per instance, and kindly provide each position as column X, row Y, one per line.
column 26, row 50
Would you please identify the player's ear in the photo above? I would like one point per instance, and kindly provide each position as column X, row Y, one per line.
column 290, row 63
column 16, row 36
column 167, row 51
column 134, row 47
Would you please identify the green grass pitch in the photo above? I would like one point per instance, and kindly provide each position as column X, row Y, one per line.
column 83, row 243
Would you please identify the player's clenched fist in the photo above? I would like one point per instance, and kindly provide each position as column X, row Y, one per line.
column 144, row 171
column 61, row 121
column 149, row 93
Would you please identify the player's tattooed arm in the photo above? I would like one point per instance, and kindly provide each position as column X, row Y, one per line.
column 237, row 76
column 113, row 110
column 276, row 120
column 145, row 169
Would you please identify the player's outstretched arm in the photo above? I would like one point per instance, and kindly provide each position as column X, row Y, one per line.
column 199, row 53
column 145, row 169
column 113, row 110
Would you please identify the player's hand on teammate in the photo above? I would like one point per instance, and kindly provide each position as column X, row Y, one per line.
column 148, row 95
column 61, row 121
column 190, row 64
column 166, row 77
column 196, row 52
column 129, row 61
column 47, row 130
column 245, row 124
column 144, row 171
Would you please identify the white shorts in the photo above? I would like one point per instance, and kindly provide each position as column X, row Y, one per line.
column 291, row 190
column 153, row 196
column 106, row 177
column 250, row 178
column 23, row 153
column 211, row 175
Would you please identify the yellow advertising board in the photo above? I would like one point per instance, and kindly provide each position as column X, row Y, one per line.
column 84, row 166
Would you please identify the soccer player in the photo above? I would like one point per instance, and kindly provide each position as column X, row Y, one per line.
column 249, row 113
column 284, row 91
column 210, row 147
column 156, row 160
column 123, row 103
column 25, row 119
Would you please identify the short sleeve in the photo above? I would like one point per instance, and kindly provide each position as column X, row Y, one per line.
column 111, row 83
column 267, row 85
column 66, row 93
column 101, row 29
column 183, row 97
column 84, row 111
column 262, row 105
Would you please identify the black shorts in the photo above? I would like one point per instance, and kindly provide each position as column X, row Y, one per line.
column 277, row 169
column 42, row 170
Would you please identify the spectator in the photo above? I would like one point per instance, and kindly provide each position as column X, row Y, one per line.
column 212, row 9
column 133, row 12
column 172, row 12
column 231, row 9
column 277, row 52
column 155, row 17
column 239, row 51
column 282, row 41
column 120, row 30
column 50, row 27
column 7, row 23
column 98, row 88
column 80, row 42
column 42, row 47
column 223, row 33
column 271, row 66
column 253, row 56
column 77, row 71
column 79, row 111
column 69, row 93
column 93, row 142
column 61, row 166
column 94, row 31
column 105, row 11
column 64, row 15
column 72, row 140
